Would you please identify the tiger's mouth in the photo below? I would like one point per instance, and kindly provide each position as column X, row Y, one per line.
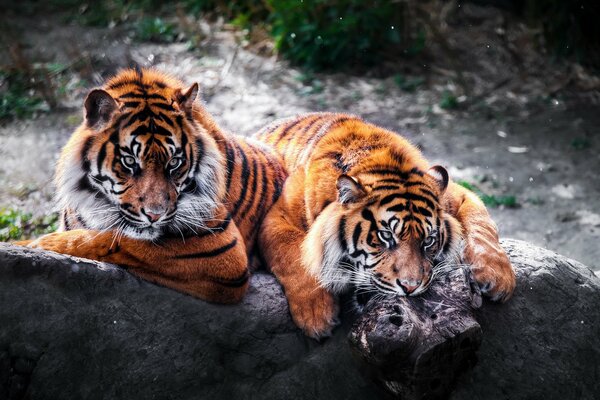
column 139, row 229
column 141, row 232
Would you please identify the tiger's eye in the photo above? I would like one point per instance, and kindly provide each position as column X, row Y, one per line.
column 385, row 236
column 175, row 162
column 128, row 161
column 429, row 241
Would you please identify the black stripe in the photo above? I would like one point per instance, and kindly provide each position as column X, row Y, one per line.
column 230, row 154
column 342, row 234
column 142, row 96
column 163, row 117
column 417, row 171
column 101, row 157
column 244, row 180
column 368, row 215
column 448, row 234
column 117, row 85
column 287, row 129
column 84, row 153
column 397, row 208
column 423, row 211
column 393, row 180
column 219, row 228
column 263, row 194
column 250, row 201
column 416, row 197
column 428, row 193
column 301, row 134
column 163, row 106
column 356, row 235
column 389, row 198
column 387, row 187
column 66, row 221
column 210, row 253
column 387, row 171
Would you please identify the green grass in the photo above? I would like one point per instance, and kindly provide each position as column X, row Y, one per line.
column 408, row 84
column 17, row 100
column 17, row 225
column 155, row 29
column 448, row 101
column 490, row 200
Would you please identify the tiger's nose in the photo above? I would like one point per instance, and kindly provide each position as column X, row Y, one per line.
column 408, row 286
column 153, row 214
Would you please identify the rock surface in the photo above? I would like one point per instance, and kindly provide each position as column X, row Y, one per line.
column 73, row 329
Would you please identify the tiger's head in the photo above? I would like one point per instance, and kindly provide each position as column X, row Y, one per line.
column 141, row 163
column 384, row 234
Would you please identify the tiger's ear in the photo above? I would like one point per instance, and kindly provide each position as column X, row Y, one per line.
column 349, row 189
column 99, row 108
column 440, row 176
column 186, row 99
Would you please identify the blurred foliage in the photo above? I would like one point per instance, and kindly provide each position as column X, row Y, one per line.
column 490, row 200
column 448, row 101
column 408, row 84
column 16, row 98
column 336, row 34
column 581, row 143
column 570, row 27
column 17, row 225
column 323, row 34
column 155, row 29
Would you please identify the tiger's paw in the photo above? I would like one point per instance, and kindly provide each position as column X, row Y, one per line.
column 315, row 311
column 492, row 270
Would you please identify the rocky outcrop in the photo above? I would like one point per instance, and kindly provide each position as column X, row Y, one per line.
column 73, row 329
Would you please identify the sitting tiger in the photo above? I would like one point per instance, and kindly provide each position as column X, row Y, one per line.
column 362, row 207
column 150, row 182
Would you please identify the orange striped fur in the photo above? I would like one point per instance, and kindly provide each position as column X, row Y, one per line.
column 150, row 182
column 362, row 208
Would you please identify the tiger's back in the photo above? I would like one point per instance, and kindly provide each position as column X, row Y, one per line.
column 362, row 208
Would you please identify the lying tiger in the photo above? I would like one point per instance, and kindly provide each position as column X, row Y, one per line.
column 362, row 207
column 150, row 182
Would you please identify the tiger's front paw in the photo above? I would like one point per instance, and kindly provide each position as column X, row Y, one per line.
column 315, row 311
column 492, row 271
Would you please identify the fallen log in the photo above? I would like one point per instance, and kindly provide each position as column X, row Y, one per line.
column 417, row 346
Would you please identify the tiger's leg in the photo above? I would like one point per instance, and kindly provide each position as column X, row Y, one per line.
column 313, row 308
column 490, row 264
column 213, row 267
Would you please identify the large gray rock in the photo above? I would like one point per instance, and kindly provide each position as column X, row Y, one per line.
column 73, row 329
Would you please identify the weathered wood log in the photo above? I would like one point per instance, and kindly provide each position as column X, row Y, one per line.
column 417, row 346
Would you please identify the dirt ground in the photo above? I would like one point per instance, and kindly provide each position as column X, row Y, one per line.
column 529, row 131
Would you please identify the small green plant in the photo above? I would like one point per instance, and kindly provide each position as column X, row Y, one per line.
column 408, row 84
column 17, row 100
column 490, row 200
column 448, row 101
column 580, row 143
column 155, row 29
column 16, row 224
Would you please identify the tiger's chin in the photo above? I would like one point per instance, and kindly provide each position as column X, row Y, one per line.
column 142, row 233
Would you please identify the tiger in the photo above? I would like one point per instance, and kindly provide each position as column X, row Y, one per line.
column 362, row 208
column 150, row 182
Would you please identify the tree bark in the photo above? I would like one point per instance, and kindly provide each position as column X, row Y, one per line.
column 417, row 346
